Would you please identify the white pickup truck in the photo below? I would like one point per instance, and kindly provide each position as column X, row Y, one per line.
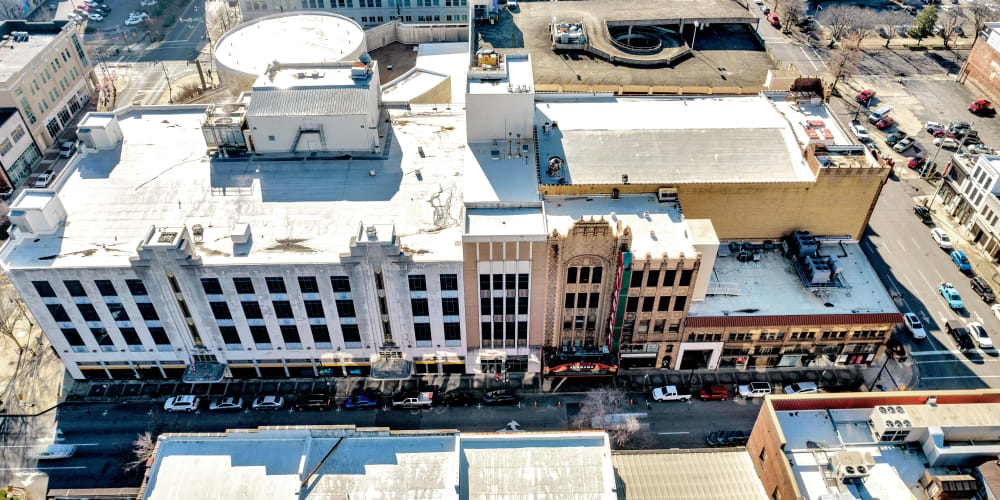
column 414, row 400
column 669, row 393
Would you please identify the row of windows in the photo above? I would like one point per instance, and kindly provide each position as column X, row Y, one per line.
column 420, row 307
column 105, row 287
column 503, row 281
column 590, row 301
column 778, row 336
column 89, row 313
column 102, row 338
column 498, row 304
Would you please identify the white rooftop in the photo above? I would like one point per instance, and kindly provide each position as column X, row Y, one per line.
column 435, row 63
column 657, row 228
column 519, row 78
column 298, row 211
column 371, row 463
column 497, row 173
column 896, row 469
column 673, row 140
column 16, row 55
column 289, row 38
column 504, row 221
column 772, row 286
column 317, row 76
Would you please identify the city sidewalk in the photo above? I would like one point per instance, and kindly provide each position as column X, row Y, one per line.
column 832, row 378
column 961, row 239
column 31, row 379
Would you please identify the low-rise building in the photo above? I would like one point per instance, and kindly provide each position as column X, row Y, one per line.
column 874, row 445
column 18, row 151
column 45, row 74
column 980, row 70
column 971, row 194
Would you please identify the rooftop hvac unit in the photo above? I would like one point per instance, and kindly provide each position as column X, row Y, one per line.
column 804, row 244
column 851, row 464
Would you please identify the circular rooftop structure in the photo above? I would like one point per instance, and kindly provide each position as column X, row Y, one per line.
column 244, row 53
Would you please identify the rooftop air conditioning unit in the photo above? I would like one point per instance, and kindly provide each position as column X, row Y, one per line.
column 852, row 464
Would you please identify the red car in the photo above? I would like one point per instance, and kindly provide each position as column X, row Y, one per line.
column 773, row 19
column 864, row 95
column 885, row 123
column 84, row 7
column 917, row 162
column 980, row 106
column 713, row 392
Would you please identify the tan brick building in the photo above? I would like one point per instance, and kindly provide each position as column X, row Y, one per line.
column 981, row 71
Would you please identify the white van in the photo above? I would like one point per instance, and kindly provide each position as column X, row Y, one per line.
column 879, row 114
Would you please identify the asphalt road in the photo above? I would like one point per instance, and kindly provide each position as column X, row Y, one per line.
column 104, row 433
column 911, row 265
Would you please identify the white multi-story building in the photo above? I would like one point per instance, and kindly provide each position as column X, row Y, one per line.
column 367, row 13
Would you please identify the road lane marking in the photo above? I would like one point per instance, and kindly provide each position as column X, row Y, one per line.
column 956, row 360
column 816, row 68
column 978, row 317
column 901, row 246
column 670, row 433
column 42, row 468
column 958, row 377
column 954, row 351
column 929, row 285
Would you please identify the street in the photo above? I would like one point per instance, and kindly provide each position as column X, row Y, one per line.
column 104, row 433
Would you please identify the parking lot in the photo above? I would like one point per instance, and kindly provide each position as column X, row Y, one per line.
column 915, row 101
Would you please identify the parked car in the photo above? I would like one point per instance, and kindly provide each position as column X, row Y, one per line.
column 946, row 142
column 457, row 398
column 996, row 310
column 981, row 106
column 980, row 149
column 45, row 179
column 713, row 392
column 916, row 162
column 411, row 400
column 982, row 289
column 801, row 388
column 268, row 403
column 903, row 145
column 923, row 213
column 979, row 334
column 755, row 390
column 879, row 114
column 956, row 125
column 500, row 397
column 187, row 403
column 670, row 393
column 773, row 19
column 914, row 326
column 727, row 438
column 864, row 95
column 895, row 137
column 318, row 402
column 951, row 296
column 932, row 127
column 941, row 238
column 226, row 404
column 67, row 150
column 885, row 123
column 51, row 451
column 96, row 17
column 859, row 131
column 960, row 260
column 361, row 400
column 960, row 334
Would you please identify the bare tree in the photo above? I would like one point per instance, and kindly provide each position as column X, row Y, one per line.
column 983, row 11
column 843, row 63
column 598, row 407
column 889, row 20
column 841, row 20
column 948, row 21
column 11, row 312
column 142, row 449
column 790, row 12
column 220, row 18
column 864, row 26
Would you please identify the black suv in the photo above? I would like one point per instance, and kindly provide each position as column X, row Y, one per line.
column 981, row 288
column 922, row 212
column 319, row 402
column 457, row 398
column 962, row 336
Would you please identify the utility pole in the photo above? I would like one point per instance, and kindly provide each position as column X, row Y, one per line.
column 167, row 78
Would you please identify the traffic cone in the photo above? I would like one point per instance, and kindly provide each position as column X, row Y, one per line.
column 558, row 404
column 631, row 402
column 535, row 404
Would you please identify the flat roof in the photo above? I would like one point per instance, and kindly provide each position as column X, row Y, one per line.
column 685, row 475
column 723, row 54
column 160, row 176
column 31, row 198
column 657, row 228
column 498, row 173
column 17, row 55
column 518, row 78
column 896, row 471
column 669, row 141
column 289, row 38
column 313, row 76
column 504, row 221
column 374, row 463
column 772, row 286
column 435, row 63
